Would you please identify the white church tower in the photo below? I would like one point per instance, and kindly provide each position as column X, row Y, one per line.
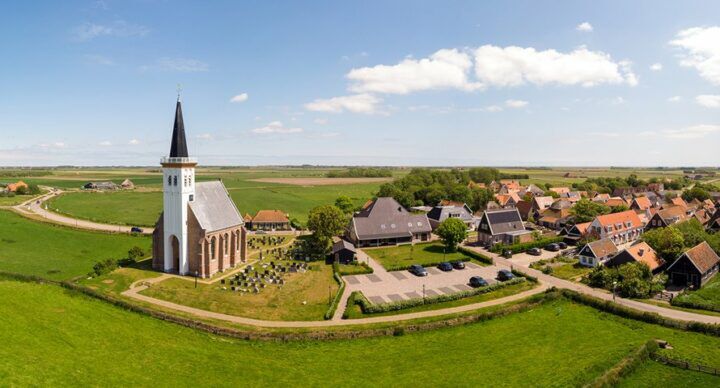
column 178, row 191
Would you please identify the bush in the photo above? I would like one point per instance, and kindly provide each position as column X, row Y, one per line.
column 476, row 255
column 104, row 267
column 522, row 247
column 135, row 253
column 369, row 308
column 626, row 366
column 336, row 301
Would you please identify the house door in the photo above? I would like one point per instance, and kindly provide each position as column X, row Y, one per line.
column 679, row 279
column 175, row 244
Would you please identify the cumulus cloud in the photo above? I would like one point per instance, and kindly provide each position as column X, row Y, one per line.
column 357, row 103
column 134, row 142
column 242, row 97
column 708, row 100
column 693, row 132
column 701, row 51
column 515, row 103
column 584, row 27
column 118, row 28
column 180, row 65
column 492, row 108
column 656, row 67
column 674, row 99
column 276, row 127
column 446, row 68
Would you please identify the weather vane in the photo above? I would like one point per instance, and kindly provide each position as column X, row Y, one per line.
column 179, row 90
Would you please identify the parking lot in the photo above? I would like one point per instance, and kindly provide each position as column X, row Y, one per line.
column 383, row 286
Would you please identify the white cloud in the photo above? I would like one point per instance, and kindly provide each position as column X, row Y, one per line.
column 445, row 69
column 181, row 65
column 674, row 99
column 584, row 27
column 492, row 108
column 242, row 97
column 708, row 100
column 694, row 132
column 320, row 121
column 105, row 143
column 357, row 103
column 701, row 51
column 515, row 103
column 134, row 142
column 656, row 67
column 276, row 127
column 119, row 28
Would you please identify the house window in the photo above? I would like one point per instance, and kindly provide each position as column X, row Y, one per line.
column 225, row 249
column 175, row 180
column 169, row 180
column 192, row 197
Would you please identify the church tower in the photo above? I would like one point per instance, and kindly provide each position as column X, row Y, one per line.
column 178, row 192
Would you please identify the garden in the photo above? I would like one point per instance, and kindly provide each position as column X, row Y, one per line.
column 426, row 254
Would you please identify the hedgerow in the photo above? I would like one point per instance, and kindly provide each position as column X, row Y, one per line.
column 522, row 247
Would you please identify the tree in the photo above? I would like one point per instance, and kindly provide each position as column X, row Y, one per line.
column 550, row 193
column 135, row 253
column 667, row 242
column 344, row 203
column 696, row 192
column 325, row 222
column 619, row 208
column 481, row 197
column 452, row 231
column 586, row 210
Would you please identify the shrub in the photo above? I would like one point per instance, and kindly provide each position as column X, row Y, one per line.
column 334, row 304
column 627, row 365
column 135, row 253
column 475, row 255
column 522, row 247
column 104, row 267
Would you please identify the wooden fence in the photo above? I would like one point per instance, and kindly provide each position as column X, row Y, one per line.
column 685, row 364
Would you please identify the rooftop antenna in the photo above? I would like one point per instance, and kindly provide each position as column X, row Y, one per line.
column 179, row 90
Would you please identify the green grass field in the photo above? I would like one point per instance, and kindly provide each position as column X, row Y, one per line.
column 53, row 337
column 652, row 374
column 708, row 296
column 272, row 303
column 119, row 207
column 406, row 255
column 54, row 252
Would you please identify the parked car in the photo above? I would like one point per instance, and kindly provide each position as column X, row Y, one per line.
column 505, row 274
column 534, row 251
column 458, row 264
column 553, row 247
column 445, row 267
column 418, row 270
column 135, row 229
column 507, row 254
column 562, row 245
column 477, row 281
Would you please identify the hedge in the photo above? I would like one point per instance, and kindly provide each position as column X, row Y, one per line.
column 518, row 273
column 391, row 268
column 627, row 365
column 522, row 247
column 679, row 301
column 370, row 308
column 334, row 305
column 476, row 255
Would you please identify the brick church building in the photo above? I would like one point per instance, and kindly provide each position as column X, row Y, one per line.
column 200, row 231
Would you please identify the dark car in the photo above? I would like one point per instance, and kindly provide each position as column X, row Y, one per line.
column 534, row 251
column 507, row 254
column 504, row 275
column 458, row 264
column 418, row 270
column 445, row 267
column 135, row 229
column 562, row 245
column 477, row 281
column 552, row 247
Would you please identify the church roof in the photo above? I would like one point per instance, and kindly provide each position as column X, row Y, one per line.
column 213, row 207
column 178, row 145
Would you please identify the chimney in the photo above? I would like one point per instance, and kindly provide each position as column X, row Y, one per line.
column 641, row 251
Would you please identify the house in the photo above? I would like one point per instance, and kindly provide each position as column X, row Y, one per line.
column 667, row 216
column 531, row 189
column 555, row 218
column 343, row 251
column 540, row 204
column 628, row 191
column 269, row 220
column 677, row 201
column 127, row 184
column 560, row 190
column 713, row 223
column 622, row 227
column 638, row 253
column 616, row 202
column 597, row 252
column 200, row 231
column 525, row 209
column 575, row 233
column 458, row 210
column 507, row 200
column 694, row 267
column 502, row 226
column 602, row 198
column 654, row 199
column 13, row 187
column 510, row 184
column 384, row 221
column 100, row 186
column 641, row 203
column 703, row 216
column 655, row 187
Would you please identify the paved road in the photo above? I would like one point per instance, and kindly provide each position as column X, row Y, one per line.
column 36, row 207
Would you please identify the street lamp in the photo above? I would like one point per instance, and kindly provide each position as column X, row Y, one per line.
column 423, row 293
column 614, row 288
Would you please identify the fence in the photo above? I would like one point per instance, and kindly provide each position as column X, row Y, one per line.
column 685, row 364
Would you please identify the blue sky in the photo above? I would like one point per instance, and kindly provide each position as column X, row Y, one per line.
column 362, row 83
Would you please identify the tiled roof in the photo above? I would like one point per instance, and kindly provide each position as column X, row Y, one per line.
column 213, row 207
column 384, row 217
column 270, row 216
column 620, row 218
column 702, row 256
column 642, row 252
column 602, row 248
column 672, row 214
column 643, row 203
column 616, row 201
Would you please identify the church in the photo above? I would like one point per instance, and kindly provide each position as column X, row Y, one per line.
column 200, row 231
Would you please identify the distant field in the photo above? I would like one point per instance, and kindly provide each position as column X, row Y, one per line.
column 321, row 181
column 113, row 207
column 54, row 252
column 73, row 340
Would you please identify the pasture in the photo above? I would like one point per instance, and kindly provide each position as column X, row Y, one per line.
column 405, row 255
column 94, row 343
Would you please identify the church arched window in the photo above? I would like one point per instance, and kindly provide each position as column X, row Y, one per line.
column 175, row 180
column 212, row 248
column 169, row 180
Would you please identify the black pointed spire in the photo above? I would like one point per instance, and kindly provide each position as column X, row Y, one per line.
column 178, row 146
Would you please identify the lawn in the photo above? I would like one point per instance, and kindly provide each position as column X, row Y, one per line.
column 706, row 298
column 116, row 207
column 272, row 303
column 120, row 279
column 55, row 252
column 73, row 340
column 652, row 374
column 14, row 200
column 353, row 311
column 402, row 256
